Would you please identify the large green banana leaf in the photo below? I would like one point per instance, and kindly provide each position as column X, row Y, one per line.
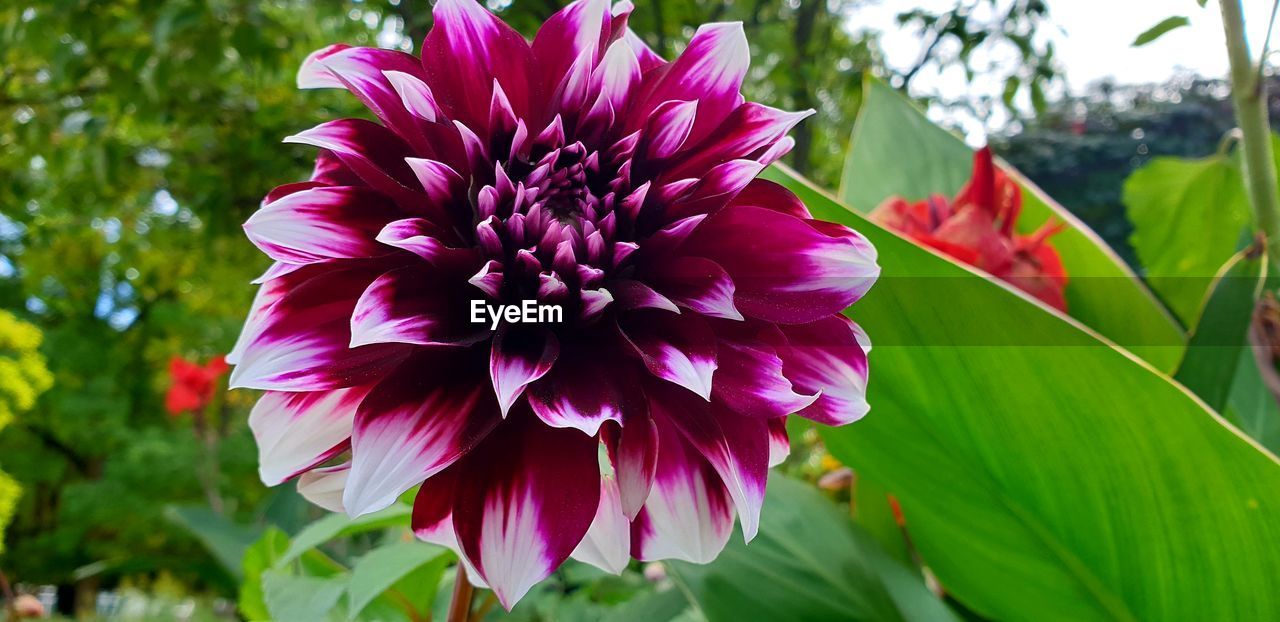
column 1046, row 474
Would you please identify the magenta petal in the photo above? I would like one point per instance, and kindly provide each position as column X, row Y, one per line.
column 633, row 451
column 607, row 545
column 736, row 447
column 321, row 224
column 829, row 356
column 581, row 391
column 699, row 284
column 424, row 239
column 688, row 514
column 712, row 68
column 297, row 431
column 415, row 95
column 785, row 269
column 750, row 381
column 410, row 305
column 416, row 422
column 432, row 519
column 372, row 152
column 668, row 129
column 467, row 49
column 517, row 358
column 677, row 348
column 779, row 443
column 631, row 294
column 531, row 493
column 298, row 336
column 313, row 74
column 749, row 131
column 772, row 196
column 360, row 70
column 580, row 27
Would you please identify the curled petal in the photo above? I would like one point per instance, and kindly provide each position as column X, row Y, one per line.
column 412, row 306
column 779, row 443
column 298, row 335
column 324, row 487
column 297, row 431
column 829, row 356
column 688, row 514
column 607, row 545
column 697, row 283
column 416, row 422
column 320, row 224
column 784, row 269
column 374, row 153
column 361, row 71
column 736, row 447
column 582, row 391
column 531, row 493
column 517, row 358
column 633, row 451
column 677, row 348
column 750, row 379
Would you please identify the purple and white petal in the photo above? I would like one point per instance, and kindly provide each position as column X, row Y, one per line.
column 607, row 545
column 517, row 358
column 680, row 349
column 321, row 224
column 531, row 493
column 297, row 431
column 829, row 356
column 688, row 514
column 324, row 486
column 416, row 422
column 784, row 269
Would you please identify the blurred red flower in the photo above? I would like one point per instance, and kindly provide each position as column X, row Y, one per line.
column 977, row 228
column 191, row 384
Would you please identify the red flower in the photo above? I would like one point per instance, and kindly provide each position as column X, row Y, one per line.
column 977, row 227
column 192, row 385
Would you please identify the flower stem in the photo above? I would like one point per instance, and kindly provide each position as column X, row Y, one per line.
column 460, row 606
column 1249, row 97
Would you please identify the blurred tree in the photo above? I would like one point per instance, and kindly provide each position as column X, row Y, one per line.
column 23, row 377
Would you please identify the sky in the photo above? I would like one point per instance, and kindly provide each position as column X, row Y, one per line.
column 1092, row 39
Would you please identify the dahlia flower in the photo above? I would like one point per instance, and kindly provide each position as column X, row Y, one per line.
column 699, row 306
column 977, row 228
column 192, row 384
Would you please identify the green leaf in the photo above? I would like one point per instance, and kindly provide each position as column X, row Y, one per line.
column 1187, row 217
column 1053, row 476
column 1209, row 366
column 809, row 562
column 897, row 151
column 338, row 525
column 290, row 597
column 225, row 540
column 260, row 557
column 656, row 606
column 384, row 567
column 1252, row 405
column 1157, row 31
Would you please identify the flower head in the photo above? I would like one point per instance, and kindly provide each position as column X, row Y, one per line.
column 698, row 306
column 191, row 385
column 977, row 228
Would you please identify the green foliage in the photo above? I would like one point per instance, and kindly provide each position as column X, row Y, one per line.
column 1212, row 358
column 809, row 562
column 1041, row 466
column 1188, row 218
column 1155, row 32
column 23, row 376
column 896, row 151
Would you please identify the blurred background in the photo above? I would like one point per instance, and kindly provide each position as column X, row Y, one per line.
column 136, row 136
